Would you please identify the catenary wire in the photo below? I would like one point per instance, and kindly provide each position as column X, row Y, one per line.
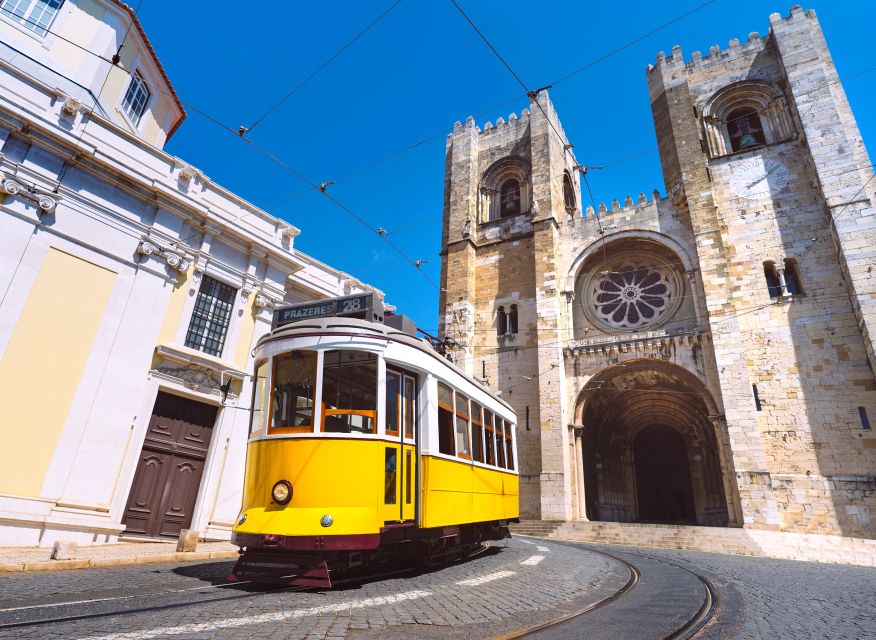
column 316, row 71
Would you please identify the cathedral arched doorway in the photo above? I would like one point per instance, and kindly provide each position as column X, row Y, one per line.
column 653, row 447
column 664, row 492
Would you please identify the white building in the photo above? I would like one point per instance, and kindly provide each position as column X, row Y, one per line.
column 131, row 289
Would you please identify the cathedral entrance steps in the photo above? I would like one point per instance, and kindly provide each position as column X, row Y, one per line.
column 539, row 528
column 752, row 542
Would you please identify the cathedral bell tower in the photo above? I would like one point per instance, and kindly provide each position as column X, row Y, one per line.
column 507, row 189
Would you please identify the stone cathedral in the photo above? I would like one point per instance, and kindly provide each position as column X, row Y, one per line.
column 704, row 357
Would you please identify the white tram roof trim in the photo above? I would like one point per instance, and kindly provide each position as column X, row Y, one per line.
column 340, row 325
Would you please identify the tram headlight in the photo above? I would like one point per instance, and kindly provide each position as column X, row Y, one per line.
column 282, row 492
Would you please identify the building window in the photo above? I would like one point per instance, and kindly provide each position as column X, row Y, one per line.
column 506, row 322
column 865, row 421
column 136, row 97
column 512, row 320
column 792, row 278
column 756, row 397
column 745, row 129
column 34, row 15
column 509, row 199
column 211, row 316
column 774, row 285
column 569, row 195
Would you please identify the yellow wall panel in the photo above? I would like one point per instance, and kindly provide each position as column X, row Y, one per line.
column 244, row 338
column 174, row 310
column 43, row 363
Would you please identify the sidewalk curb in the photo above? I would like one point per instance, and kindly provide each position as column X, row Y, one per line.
column 104, row 563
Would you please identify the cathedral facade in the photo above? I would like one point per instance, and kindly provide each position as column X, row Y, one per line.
column 704, row 357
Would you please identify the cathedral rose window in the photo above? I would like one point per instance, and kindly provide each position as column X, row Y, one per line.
column 631, row 292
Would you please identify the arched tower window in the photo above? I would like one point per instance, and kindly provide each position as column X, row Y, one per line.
column 569, row 195
column 512, row 320
column 746, row 115
column 745, row 129
column 774, row 285
column 792, row 277
column 505, row 190
column 501, row 322
column 510, row 198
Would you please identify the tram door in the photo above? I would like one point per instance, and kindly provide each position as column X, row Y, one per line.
column 400, row 454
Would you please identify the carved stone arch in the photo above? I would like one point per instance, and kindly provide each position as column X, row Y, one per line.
column 670, row 243
column 501, row 172
column 764, row 98
column 622, row 401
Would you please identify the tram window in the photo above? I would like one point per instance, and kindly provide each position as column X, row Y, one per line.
column 445, row 420
column 500, row 443
column 259, row 418
column 477, row 433
column 349, row 392
column 410, row 406
column 490, row 448
column 409, row 472
column 393, row 402
column 390, row 476
column 292, row 393
column 463, row 446
column 509, row 444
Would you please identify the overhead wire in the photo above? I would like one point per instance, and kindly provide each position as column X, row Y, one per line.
column 286, row 166
column 316, row 71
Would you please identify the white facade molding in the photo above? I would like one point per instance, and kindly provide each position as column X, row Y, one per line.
column 174, row 258
column 45, row 201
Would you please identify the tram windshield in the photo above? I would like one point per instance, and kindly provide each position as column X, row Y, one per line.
column 292, row 394
column 349, row 392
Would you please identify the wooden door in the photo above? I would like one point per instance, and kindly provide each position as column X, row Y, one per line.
column 169, row 472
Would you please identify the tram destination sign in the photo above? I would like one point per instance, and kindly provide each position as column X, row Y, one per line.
column 361, row 306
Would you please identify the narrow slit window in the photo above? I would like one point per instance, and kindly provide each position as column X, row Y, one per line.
column 512, row 320
column 500, row 442
column 477, row 433
column 410, row 406
column 445, row 420
column 774, row 285
column 463, row 442
column 865, row 421
column 509, row 445
column 409, row 472
column 259, row 418
column 792, row 277
column 393, row 403
column 390, row 476
column 756, row 397
column 490, row 441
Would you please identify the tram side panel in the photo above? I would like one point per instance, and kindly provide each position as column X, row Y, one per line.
column 336, row 477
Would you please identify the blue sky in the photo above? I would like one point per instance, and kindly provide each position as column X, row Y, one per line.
column 415, row 73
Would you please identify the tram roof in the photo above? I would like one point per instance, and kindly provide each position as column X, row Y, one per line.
column 366, row 328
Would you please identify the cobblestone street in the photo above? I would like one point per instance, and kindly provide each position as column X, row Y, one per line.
column 513, row 586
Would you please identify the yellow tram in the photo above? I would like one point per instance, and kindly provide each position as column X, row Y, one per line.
column 366, row 443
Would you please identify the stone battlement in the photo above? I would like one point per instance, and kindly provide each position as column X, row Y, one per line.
column 628, row 206
column 735, row 49
column 489, row 127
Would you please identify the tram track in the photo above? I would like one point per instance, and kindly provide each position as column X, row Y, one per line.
column 263, row 591
column 686, row 630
